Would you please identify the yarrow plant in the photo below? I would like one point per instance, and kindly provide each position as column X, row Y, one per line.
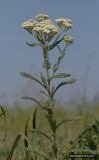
column 38, row 144
column 49, row 35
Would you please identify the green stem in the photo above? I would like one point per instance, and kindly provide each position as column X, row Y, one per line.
column 50, row 104
column 47, row 66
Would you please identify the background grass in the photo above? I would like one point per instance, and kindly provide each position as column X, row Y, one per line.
column 17, row 117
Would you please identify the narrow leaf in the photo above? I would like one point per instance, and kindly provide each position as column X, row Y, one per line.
column 13, row 148
column 43, row 79
column 59, row 50
column 55, row 44
column 71, row 81
column 26, row 75
column 34, row 119
column 62, row 84
column 33, row 44
column 60, row 75
column 63, row 121
column 29, row 76
column 42, row 133
column 56, row 65
column 33, row 99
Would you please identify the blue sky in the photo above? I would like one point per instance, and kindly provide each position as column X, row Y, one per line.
column 82, row 58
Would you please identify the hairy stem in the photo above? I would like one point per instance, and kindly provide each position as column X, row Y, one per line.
column 50, row 104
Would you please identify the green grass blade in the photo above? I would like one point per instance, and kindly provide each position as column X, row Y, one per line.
column 26, row 133
column 13, row 148
column 63, row 121
column 34, row 119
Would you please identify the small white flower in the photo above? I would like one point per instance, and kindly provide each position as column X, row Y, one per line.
column 42, row 25
column 60, row 20
column 47, row 31
column 41, row 17
column 68, row 39
column 38, row 29
column 67, row 23
column 29, row 25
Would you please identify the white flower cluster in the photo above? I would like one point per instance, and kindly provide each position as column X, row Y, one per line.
column 67, row 23
column 68, row 39
column 41, row 17
column 46, row 26
column 29, row 24
column 42, row 25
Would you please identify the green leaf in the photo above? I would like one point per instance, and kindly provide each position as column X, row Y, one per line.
column 13, row 148
column 26, row 133
column 62, row 122
column 62, row 84
column 29, row 76
column 71, row 81
column 33, row 99
column 42, row 133
column 60, row 75
column 34, row 119
column 56, row 65
column 43, row 78
column 33, row 44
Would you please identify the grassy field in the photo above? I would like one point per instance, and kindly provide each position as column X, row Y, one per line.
column 15, row 122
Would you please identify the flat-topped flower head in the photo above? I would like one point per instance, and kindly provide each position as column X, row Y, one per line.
column 69, row 39
column 29, row 25
column 47, row 27
column 67, row 23
column 41, row 17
